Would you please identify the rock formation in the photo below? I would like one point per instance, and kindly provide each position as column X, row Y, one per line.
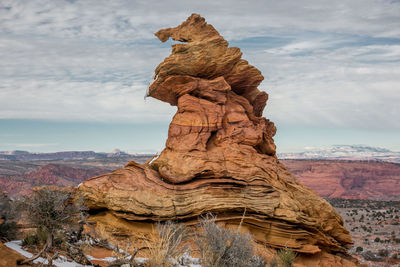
column 219, row 156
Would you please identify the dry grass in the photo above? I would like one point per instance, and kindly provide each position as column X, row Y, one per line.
column 166, row 246
column 286, row 257
column 220, row 247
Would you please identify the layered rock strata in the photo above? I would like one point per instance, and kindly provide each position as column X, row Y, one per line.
column 219, row 156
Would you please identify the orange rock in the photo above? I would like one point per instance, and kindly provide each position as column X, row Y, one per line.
column 219, row 156
column 278, row 213
column 323, row 259
column 206, row 55
column 9, row 257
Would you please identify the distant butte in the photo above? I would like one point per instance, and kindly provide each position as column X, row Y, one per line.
column 220, row 157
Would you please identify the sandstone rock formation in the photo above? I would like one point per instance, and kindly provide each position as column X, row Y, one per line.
column 219, row 156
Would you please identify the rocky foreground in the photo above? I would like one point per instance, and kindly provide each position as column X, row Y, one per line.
column 219, row 158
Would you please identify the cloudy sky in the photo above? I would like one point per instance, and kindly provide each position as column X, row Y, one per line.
column 73, row 74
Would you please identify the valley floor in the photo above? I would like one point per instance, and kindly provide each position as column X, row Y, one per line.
column 374, row 227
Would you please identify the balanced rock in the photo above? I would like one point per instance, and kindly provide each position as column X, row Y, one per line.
column 219, row 157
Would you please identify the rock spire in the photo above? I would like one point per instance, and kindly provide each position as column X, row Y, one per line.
column 219, row 157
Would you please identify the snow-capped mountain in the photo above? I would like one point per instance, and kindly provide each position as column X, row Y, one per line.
column 346, row 152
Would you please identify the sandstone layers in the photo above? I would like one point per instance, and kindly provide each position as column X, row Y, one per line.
column 219, row 156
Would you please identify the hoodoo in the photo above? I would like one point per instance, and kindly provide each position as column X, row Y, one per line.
column 219, row 157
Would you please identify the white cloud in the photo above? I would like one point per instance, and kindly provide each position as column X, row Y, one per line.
column 35, row 145
column 121, row 20
column 346, row 86
column 67, row 100
column 335, row 62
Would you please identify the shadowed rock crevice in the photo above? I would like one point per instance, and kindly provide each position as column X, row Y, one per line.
column 219, row 158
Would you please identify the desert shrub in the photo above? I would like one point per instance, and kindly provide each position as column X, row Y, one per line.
column 359, row 249
column 383, row 252
column 370, row 256
column 53, row 211
column 8, row 228
column 35, row 238
column 30, row 240
column 377, row 239
column 220, row 247
column 167, row 246
column 286, row 257
column 61, row 240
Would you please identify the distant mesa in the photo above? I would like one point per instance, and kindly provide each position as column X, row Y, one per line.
column 14, row 152
column 64, row 155
column 349, row 179
column 219, row 158
column 15, row 182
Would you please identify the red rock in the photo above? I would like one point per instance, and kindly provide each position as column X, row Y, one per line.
column 206, row 55
column 50, row 174
column 348, row 179
column 219, row 157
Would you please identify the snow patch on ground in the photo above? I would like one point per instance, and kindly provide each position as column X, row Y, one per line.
column 108, row 259
column 62, row 261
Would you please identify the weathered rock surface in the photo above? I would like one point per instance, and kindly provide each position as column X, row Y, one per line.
column 219, row 156
column 9, row 257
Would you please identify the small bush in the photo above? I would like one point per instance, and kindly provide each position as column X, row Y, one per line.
column 61, row 241
column 8, row 228
column 286, row 257
column 359, row 249
column 30, row 240
column 370, row 256
column 220, row 247
column 383, row 253
column 166, row 247
column 35, row 238
column 53, row 211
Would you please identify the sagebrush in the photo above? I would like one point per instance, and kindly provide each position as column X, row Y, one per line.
column 167, row 247
column 221, row 247
column 286, row 257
